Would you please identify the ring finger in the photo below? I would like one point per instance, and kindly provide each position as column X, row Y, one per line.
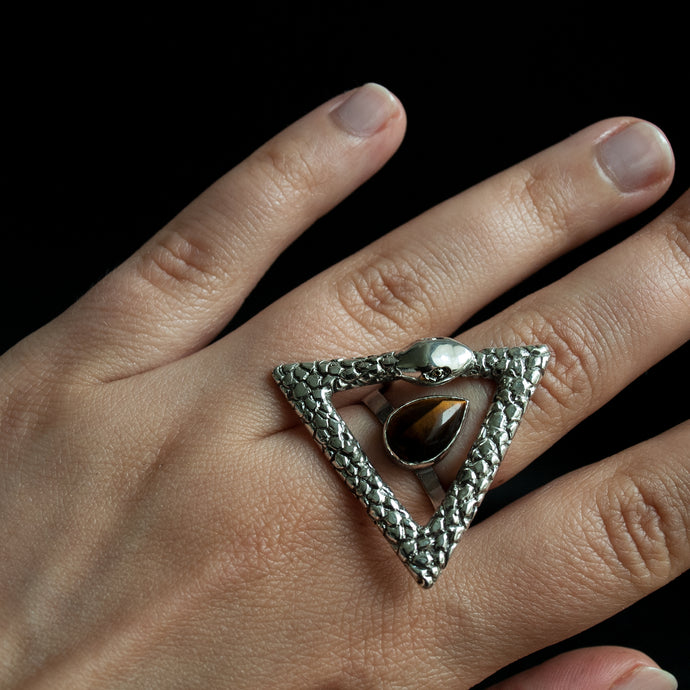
column 606, row 323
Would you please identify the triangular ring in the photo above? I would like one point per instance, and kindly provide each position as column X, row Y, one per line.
column 424, row 549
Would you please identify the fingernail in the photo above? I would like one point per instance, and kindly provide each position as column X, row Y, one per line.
column 635, row 157
column 647, row 678
column 366, row 110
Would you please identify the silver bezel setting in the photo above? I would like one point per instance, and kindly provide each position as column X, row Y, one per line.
column 436, row 458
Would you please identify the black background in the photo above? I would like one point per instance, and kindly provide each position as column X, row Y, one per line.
column 115, row 121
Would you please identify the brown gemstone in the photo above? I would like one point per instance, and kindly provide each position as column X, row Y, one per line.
column 421, row 431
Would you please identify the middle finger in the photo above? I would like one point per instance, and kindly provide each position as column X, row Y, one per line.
column 430, row 275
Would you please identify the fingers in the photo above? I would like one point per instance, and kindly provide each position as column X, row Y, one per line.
column 605, row 323
column 181, row 288
column 433, row 273
column 589, row 544
column 594, row 668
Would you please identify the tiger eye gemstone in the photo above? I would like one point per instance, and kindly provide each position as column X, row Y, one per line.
column 421, row 431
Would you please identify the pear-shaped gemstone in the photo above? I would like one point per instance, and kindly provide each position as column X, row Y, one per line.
column 420, row 432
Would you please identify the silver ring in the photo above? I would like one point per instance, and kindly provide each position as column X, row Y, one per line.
column 424, row 549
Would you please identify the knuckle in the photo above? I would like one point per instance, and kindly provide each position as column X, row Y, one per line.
column 541, row 201
column 677, row 235
column 18, row 411
column 570, row 381
column 25, row 391
column 37, row 409
column 288, row 173
column 388, row 295
column 180, row 258
column 637, row 527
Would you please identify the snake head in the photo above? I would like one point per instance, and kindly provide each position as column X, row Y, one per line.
column 433, row 361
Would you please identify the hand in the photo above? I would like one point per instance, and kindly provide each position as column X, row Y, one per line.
column 167, row 520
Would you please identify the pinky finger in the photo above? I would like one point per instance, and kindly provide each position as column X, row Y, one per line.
column 593, row 668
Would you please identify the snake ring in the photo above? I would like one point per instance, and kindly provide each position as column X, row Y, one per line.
column 418, row 434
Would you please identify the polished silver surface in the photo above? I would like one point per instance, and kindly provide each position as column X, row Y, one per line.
column 378, row 404
column 424, row 549
column 431, row 485
column 434, row 361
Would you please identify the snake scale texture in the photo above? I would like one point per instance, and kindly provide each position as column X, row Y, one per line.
column 424, row 549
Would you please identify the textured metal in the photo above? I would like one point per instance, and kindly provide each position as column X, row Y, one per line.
column 424, row 549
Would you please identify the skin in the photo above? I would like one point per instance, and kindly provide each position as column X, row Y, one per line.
column 151, row 534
